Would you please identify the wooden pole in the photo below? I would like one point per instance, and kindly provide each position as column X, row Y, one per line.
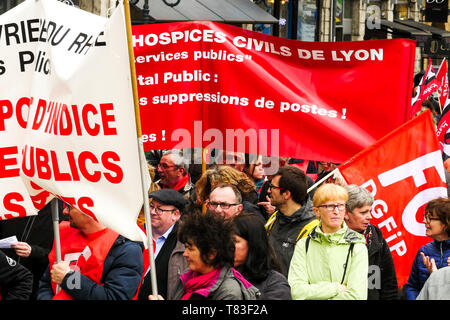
column 204, row 153
column 143, row 166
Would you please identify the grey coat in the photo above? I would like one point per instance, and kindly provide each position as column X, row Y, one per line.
column 177, row 266
column 437, row 286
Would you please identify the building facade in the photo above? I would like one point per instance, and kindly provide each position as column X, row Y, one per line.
column 306, row 20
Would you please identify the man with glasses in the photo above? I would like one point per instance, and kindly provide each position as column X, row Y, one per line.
column 294, row 217
column 97, row 263
column 165, row 210
column 173, row 172
column 225, row 200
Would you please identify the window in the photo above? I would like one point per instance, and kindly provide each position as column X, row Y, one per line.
column 307, row 20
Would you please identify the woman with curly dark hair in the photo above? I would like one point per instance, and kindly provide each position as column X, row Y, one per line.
column 210, row 256
column 256, row 260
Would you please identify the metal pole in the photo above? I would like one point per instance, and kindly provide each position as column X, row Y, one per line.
column 57, row 241
column 143, row 166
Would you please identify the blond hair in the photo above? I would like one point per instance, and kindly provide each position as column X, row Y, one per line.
column 329, row 192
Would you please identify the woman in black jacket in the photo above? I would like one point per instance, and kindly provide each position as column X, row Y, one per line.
column 255, row 258
column 382, row 279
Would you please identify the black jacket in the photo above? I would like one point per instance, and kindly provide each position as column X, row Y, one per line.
column 37, row 231
column 382, row 281
column 15, row 280
column 285, row 230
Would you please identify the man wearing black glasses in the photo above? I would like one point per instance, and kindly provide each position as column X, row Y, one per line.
column 294, row 217
column 225, row 200
column 165, row 210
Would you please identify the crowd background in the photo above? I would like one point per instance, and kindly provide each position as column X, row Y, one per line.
column 244, row 229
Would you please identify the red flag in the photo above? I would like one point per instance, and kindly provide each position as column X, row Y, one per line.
column 403, row 171
column 442, row 78
column 443, row 133
column 428, row 84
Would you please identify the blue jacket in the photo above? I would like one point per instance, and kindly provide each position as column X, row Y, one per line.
column 122, row 273
column 440, row 251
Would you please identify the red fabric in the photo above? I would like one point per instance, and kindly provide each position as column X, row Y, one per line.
column 403, row 171
column 180, row 183
column 443, row 131
column 428, row 84
column 195, row 283
column 336, row 106
column 74, row 241
column 442, row 80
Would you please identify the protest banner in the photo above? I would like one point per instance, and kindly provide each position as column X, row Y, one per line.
column 403, row 171
column 442, row 80
column 427, row 85
column 443, row 133
column 212, row 85
column 74, row 111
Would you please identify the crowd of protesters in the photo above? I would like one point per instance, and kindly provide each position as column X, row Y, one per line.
column 245, row 229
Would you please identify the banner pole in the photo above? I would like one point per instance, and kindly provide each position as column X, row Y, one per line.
column 148, row 225
column 204, row 152
column 321, row 180
column 57, row 241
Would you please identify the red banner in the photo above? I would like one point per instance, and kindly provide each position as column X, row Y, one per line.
column 403, row 171
column 206, row 84
column 428, row 84
column 443, row 132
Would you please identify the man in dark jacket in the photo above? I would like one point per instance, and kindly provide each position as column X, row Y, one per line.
column 98, row 263
column 165, row 211
column 382, row 279
column 288, row 192
column 15, row 280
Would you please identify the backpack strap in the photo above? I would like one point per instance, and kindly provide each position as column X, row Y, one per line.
column 308, row 239
column 307, row 229
column 350, row 250
column 271, row 221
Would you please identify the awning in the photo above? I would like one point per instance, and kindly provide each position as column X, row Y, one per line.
column 436, row 33
column 399, row 30
column 226, row 11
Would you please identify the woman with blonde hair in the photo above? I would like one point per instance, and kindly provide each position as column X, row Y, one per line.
column 332, row 262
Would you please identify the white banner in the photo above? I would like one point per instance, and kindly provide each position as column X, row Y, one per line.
column 69, row 70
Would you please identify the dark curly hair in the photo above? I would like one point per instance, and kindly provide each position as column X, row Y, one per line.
column 209, row 233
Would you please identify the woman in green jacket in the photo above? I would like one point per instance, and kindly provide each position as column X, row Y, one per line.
column 331, row 263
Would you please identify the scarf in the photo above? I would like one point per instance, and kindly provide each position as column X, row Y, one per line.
column 180, row 185
column 200, row 284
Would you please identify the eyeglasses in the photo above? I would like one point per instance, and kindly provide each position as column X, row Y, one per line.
column 332, row 207
column 164, row 166
column 160, row 211
column 66, row 205
column 223, row 205
column 428, row 219
column 271, row 186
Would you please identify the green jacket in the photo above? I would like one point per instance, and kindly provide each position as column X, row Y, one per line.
column 316, row 275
